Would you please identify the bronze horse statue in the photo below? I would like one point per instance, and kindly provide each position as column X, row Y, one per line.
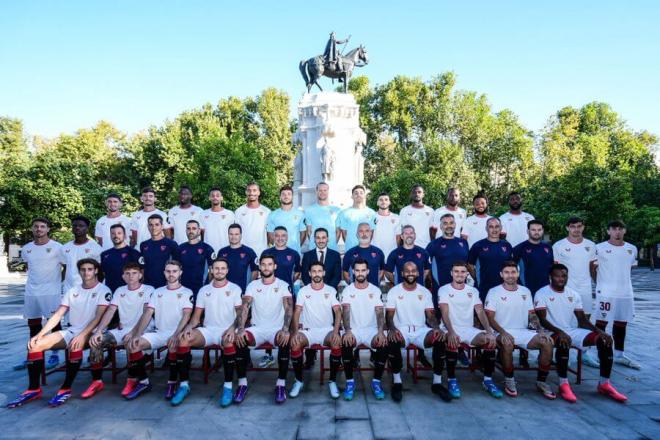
column 316, row 67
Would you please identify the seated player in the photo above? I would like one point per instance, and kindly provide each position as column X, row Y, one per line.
column 316, row 321
column 170, row 306
column 220, row 302
column 364, row 323
column 458, row 304
column 409, row 308
column 511, row 313
column 557, row 306
column 270, row 301
column 85, row 304
column 131, row 301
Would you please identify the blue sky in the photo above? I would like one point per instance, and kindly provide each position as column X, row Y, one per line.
column 66, row 65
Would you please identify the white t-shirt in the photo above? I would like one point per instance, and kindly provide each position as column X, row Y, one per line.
column 103, row 225
column 178, row 217
column 576, row 256
column 385, row 232
column 363, row 304
column 515, row 227
column 410, row 305
column 130, row 304
column 461, row 304
column 219, row 304
column 421, row 219
column 474, row 229
column 253, row 222
column 459, row 217
column 511, row 307
column 267, row 302
column 44, row 270
column 216, row 226
column 317, row 306
column 71, row 253
column 140, row 224
column 559, row 306
column 82, row 304
column 613, row 274
column 168, row 307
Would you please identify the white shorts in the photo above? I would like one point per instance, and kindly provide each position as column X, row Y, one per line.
column 577, row 336
column 521, row 336
column 157, row 339
column 212, row 335
column 364, row 335
column 41, row 305
column 68, row 334
column 415, row 335
column 467, row 334
column 587, row 302
column 316, row 336
column 119, row 333
column 262, row 335
column 614, row 309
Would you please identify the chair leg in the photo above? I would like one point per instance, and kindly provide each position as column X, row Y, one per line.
column 113, row 363
column 322, row 365
column 579, row 368
column 206, row 364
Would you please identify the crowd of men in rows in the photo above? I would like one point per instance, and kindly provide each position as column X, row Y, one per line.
column 436, row 279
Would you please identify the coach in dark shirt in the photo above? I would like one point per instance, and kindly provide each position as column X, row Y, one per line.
column 114, row 259
column 330, row 259
column 156, row 252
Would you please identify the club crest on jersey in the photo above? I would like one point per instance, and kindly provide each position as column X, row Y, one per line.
column 261, row 213
column 371, row 296
column 552, row 298
column 200, row 251
column 569, row 249
column 609, row 251
column 227, row 292
column 353, row 295
column 503, row 298
column 179, row 295
column 460, row 243
column 420, row 297
column 75, row 295
column 586, row 248
column 630, row 251
column 308, row 296
column 160, row 295
column 223, row 216
column 400, row 296
column 163, row 247
column 289, row 257
column 443, row 246
column 529, row 251
column 485, row 249
column 175, row 214
column 373, row 254
column 419, row 254
column 451, row 295
column 69, row 250
column 503, row 248
column 206, row 216
column 400, row 256
column 124, row 255
column 469, row 294
column 275, row 289
column 93, row 294
column 259, row 290
column 524, row 297
column 393, row 220
column 242, row 254
column 29, row 251
column 208, row 293
column 326, row 295
column 122, row 294
column 428, row 213
column 570, row 298
column 140, row 294
column 185, row 251
column 547, row 250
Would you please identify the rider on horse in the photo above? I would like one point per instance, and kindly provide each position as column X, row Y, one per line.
column 330, row 53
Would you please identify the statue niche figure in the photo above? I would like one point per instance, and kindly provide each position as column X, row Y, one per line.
column 327, row 161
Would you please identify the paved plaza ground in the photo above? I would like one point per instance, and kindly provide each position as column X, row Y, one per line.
column 314, row 415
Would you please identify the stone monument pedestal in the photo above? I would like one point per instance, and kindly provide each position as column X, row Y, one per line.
column 330, row 144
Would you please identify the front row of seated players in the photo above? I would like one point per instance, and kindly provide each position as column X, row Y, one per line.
column 410, row 318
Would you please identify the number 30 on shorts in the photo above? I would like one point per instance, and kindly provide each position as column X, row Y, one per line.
column 605, row 306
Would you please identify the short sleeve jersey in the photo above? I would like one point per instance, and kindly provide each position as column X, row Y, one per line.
column 267, row 302
column 112, row 263
column 410, row 306
column 287, row 261
column 317, row 306
column 140, row 224
column 576, row 257
column 317, row 216
column 219, row 304
column 443, row 254
column 511, row 307
column 294, row 222
column 372, row 255
column 216, row 227
column 242, row 262
column 253, row 223
column 130, row 304
column 156, row 254
column 195, row 259
column 459, row 217
column 349, row 219
column 400, row 256
column 178, row 217
column 168, row 306
column 103, row 225
column 44, row 268
column 613, row 274
column 474, row 229
column 71, row 253
column 560, row 307
column 460, row 302
column 536, row 261
column 515, row 227
column 363, row 303
column 82, row 303
column 421, row 219
column 385, row 232
column 488, row 257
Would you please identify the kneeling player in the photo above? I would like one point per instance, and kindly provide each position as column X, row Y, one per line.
column 171, row 305
column 364, row 321
column 220, row 302
column 458, row 303
column 316, row 321
column 511, row 313
column 556, row 306
column 270, row 300
column 409, row 308
column 130, row 301
column 85, row 304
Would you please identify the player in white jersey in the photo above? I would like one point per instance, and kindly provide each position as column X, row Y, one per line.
column 220, row 302
column 316, row 321
column 514, row 221
column 614, row 292
column 409, row 309
column 474, row 227
column 451, row 207
column 559, row 309
column 364, row 323
column 80, row 247
column 253, row 218
column 140, row 219
column 85, row 304
column 179, row 216
column 418, row 215
column 387, row 232
column 271, row 303
column 170, row 307
column 113, row 216
column 511, row 313
column 458, row 304
column 215, row 221
column 129, row 301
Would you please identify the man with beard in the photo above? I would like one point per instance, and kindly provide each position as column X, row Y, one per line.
column 196, row 258
column 444, row 251
column 179, row 215
column 330, row 259
column 408, row 251
column 242, row 266
column 287, row 259
column 140, row 220
column 293, row 220
column 350, row 218
column 474, row 227
column 514, row 222
column 114, row 259
column 113, row 216
column 387, row 232
column 253, row 216
column 451, row 207
column 366, row 251
column 157, row 252
column 487, row 256
column 322, row 215
column 418, row 215
column 215, row 221
column 535, row 258
column 80, row 247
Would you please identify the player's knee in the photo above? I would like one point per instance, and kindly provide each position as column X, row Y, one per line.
column 506, row 346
